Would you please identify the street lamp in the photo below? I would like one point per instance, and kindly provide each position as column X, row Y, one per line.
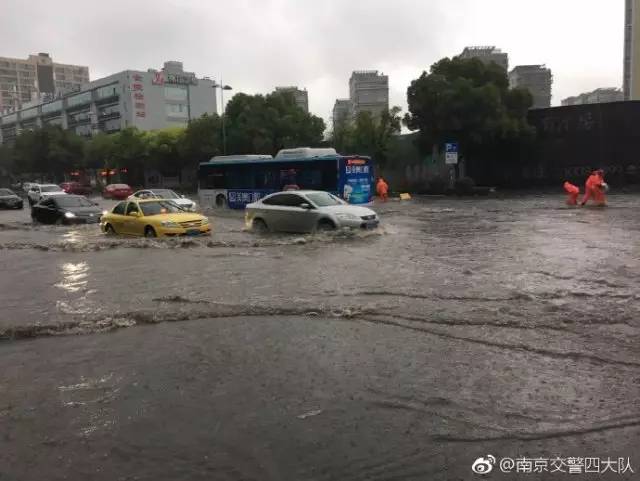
column 222, row 88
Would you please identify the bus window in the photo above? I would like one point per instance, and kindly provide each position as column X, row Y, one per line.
column 240, row 178
column 212, row 178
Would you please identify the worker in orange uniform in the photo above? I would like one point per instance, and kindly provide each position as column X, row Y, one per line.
column 595, row 188
column 382, row 188
column 573, row 191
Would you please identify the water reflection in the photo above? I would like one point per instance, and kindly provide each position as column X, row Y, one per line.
column 73, row 236
column 74, row 276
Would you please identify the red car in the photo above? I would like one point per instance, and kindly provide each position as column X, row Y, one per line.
column 117, row 191
column 76, row 188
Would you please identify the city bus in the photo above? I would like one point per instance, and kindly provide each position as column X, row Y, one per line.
column 235, row 181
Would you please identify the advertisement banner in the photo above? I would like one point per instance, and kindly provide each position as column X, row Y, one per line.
column 238, row 199
column 356, row 178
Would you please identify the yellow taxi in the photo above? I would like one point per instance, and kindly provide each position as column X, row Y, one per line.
column 153, row 218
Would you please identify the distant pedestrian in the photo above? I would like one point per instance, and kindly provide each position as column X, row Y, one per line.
column 573, row 191
column 595, row 188
column 382, row 188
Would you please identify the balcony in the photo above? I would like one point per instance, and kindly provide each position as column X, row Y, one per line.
column 108, row 99
column 104, row 116
column 79, row 120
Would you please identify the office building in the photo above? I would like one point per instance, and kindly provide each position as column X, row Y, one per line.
column 150, row 100
column 369, row 92
column 37, row 78
column 631, row 69
column 537, row 79
column 487, row 55
column 301, row 96
column 598, row 96
column 341, row 112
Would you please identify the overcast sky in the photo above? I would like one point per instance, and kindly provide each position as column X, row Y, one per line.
column 255, row 45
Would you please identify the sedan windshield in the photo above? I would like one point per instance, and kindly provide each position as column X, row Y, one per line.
column 50, row 188
column 6, row 192
column 166, row 194
column 159, row 207
column 71, row 201
column 323, row 199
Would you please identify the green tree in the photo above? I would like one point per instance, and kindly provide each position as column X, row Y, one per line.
column 466, row 101
column 202, row 140
column 266, row 124
column 164, row 150
column 368, row 134
column 50, row 151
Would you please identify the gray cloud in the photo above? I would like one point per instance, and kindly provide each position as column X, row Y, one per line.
column 257, row 44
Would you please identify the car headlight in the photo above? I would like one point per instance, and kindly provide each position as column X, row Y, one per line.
column 193, row 206
column 105, row 212
column 69, row 215
column 346, row 216
column 169, row 223
column 205, row 221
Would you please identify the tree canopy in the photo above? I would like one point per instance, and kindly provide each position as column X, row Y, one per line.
column 470, row 102
column 367, row 134
column 266, row 124
column 254, row 124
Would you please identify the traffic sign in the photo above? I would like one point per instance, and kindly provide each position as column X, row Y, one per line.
column 451, row 153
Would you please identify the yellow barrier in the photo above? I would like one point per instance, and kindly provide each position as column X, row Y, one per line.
column 405, row 196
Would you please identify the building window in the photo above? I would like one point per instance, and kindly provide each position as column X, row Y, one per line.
column 175, row 93
column 108, row 91
column 177, row 110
column 52, row 107
column 83, row 98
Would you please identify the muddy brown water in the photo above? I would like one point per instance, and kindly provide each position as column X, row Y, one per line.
column 458, row 329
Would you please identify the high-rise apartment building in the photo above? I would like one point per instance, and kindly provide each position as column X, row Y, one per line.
column 301, row 96
column 341, row 111
column 598, row 96
column 151, row 100
column 487, row 55
column 537, row 79
column 369, row 92
column 36, row 78
column 631, row 81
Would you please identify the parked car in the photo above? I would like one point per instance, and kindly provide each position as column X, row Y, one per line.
column 39, row 192
column 117, row 191
column 66, row 209
column 307, row 211
column 9, row 200
column 76, row 188
column 153, row 218
column 181, row 200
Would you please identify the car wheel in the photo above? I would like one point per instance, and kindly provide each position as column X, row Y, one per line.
column 109, row 230
column 221, row 201
column 150, row 232
column 259, row 226
column 325, row 225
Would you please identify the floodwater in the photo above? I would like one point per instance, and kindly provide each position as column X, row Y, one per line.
column 460, row 328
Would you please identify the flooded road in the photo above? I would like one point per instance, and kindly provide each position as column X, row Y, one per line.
column 460, row 328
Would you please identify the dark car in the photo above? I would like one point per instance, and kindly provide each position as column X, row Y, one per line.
column 117, row 191
column 66, row 209
column 76, row 188
column 9, row 200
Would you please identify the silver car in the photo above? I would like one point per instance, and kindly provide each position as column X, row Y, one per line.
column 307, row 211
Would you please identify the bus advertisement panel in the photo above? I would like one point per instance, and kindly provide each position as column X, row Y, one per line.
column 355, row 180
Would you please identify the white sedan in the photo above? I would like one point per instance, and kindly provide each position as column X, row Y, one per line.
column 39, row 192
column 307, row 211
column 180, row 200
